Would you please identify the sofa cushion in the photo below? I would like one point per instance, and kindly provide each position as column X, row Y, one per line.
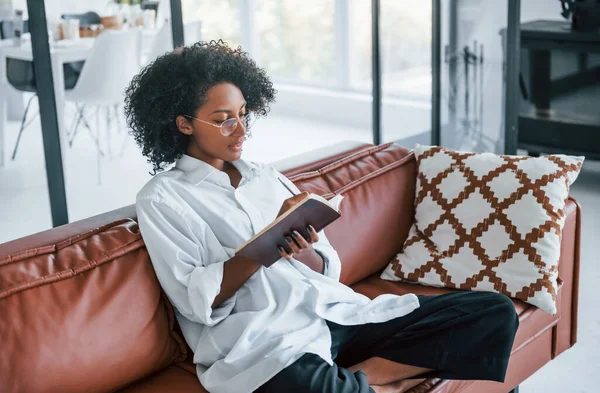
column 486, row 222
column 84, row 315
column 374, row 286
column 377, row 212
column 531, row 320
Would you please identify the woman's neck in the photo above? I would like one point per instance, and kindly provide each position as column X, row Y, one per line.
column 224, row 166
column 210, row 160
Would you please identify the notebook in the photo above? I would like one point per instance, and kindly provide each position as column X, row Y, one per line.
column 314, row 210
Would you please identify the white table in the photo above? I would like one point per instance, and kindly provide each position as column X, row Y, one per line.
column 61, row 52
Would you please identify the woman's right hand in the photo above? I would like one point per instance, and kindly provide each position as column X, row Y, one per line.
column 288, row 203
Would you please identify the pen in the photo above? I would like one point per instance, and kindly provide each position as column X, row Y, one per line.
column 286, row 186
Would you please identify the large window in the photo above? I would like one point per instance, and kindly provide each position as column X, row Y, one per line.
column 319, row 56
column 223, row 21
column 326, row 42
column 406, row 48
column 296, row 39
column 360, row 49
column 405, row 45
column 473, row 75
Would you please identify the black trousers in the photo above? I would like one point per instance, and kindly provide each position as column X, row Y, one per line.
column 462, row 335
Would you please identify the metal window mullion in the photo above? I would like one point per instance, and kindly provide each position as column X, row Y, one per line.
column 376, row 71
column 44, row 80
column 177, row 23
column 451, row 60
column 436, row 67
column 511, row 92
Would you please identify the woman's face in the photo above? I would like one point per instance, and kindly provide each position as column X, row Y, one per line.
column 223, row 101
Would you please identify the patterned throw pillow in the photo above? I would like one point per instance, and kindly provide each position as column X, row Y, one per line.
column 487, row 222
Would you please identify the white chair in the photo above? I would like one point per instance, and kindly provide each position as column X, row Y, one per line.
column 107, row 72
column 163, row 42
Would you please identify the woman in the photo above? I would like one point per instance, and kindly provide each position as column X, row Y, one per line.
column 291, row 327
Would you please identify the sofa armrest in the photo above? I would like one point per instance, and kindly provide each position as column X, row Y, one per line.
column 568, row 271
column 58, row 234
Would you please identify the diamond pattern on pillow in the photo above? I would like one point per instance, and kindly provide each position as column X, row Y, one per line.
column 487, row 222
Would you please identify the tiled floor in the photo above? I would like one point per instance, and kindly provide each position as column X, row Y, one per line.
column 24, row 209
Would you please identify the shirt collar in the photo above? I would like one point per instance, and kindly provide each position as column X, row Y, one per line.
column 197, row 170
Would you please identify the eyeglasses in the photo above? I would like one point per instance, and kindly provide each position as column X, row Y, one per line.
column 228, row 126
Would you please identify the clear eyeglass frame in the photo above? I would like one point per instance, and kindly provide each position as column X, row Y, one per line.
column 229, row 126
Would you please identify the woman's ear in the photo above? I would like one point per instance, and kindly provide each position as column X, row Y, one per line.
column 184, row 125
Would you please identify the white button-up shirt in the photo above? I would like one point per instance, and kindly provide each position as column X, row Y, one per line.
column 192, row 220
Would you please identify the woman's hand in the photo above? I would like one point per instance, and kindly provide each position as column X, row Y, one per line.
column 302, row 249
column 299, row 244
column 288, row 203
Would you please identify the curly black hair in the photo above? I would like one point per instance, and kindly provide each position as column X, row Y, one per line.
column 177, row 83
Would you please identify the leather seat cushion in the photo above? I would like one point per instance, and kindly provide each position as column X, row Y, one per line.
column 171, row 379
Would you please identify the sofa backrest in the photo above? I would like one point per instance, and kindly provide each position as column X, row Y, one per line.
column 379, row 186
column 85, row 314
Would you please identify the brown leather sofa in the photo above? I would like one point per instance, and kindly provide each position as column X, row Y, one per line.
column 81, row 309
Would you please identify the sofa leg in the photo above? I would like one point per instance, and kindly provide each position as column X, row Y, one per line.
column 515, row 390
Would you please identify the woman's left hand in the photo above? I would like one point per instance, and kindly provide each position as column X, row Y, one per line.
column 298, row 244
column 303, row 251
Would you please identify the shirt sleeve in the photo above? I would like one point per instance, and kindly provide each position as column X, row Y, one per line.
column 325, row 261
column 333, row 265
column 188, row 260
